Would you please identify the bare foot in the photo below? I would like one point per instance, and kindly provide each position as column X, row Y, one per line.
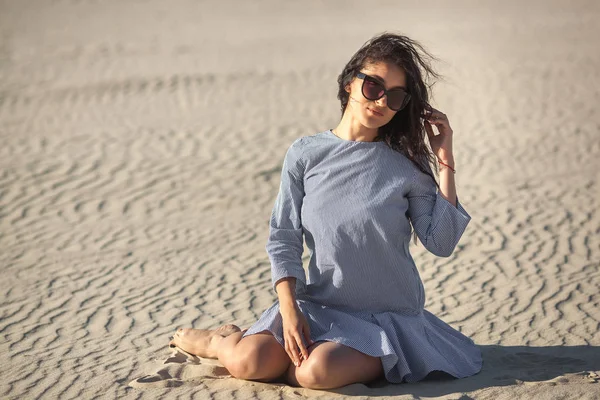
column 202, row 342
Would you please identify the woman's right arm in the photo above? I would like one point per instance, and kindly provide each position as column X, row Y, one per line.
column 296, row 331
column 285, row 247
column 285, row 244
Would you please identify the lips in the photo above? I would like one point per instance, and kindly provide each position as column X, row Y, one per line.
column 375, row 112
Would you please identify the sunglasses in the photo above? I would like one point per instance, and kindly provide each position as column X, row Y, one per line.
column 373, row 89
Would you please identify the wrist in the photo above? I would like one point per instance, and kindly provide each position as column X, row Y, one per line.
column 288, row 308
column 445, row 156
column 447, row 164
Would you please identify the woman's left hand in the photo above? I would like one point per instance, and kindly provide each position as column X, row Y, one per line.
column 442, row 143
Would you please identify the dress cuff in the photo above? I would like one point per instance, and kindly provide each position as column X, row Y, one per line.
column 443, row 206
column 281, row 270
column 450, row 222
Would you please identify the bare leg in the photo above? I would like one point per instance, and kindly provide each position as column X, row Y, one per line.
column 256, row 357
column 331, row 365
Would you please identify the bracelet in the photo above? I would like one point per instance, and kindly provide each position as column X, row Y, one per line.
column 443, row 163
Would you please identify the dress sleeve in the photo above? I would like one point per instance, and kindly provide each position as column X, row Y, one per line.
column 285, row 242
column 437, row 222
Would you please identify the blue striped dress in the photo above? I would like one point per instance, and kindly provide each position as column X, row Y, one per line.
column 353, row 203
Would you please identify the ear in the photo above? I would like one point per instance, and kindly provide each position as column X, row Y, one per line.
column 347, row 88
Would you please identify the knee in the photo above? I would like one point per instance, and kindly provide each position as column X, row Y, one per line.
column 243, row 365
column 313, row 374
column 258, row 362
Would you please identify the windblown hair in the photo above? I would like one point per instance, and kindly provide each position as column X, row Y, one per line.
column 405, row 132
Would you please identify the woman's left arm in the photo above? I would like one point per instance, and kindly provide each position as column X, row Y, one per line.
column 442, row 148
column 437, row 216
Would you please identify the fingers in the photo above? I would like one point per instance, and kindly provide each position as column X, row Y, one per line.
column 296, row 349
column 291, row 349
column 432, row 114
column 427, row 110
column 296, row 335
column 436, row 117
column 302, row 347
column 429, row 129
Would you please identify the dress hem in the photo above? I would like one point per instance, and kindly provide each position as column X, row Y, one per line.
column 410, row 347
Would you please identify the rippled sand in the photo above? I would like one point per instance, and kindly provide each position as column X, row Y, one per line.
column 141, row 149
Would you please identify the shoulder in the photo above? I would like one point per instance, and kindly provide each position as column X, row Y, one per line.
column 304, row 148
column 295, row 157
column 295, row 153
column 309, row 141
column 297, row 146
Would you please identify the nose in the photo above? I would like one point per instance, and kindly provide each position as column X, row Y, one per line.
column 382, row 101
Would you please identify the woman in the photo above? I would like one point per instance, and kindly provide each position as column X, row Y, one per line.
column 355, row 193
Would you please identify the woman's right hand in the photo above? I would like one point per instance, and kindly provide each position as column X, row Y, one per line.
column 296, row 333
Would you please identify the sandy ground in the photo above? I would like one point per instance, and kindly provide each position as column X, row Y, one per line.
column 142, row 143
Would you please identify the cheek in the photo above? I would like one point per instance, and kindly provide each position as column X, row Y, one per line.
column 389, row 117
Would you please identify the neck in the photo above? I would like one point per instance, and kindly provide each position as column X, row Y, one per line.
column 350, row 128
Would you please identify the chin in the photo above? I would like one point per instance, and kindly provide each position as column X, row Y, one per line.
column 367, row 123
column 374, row 122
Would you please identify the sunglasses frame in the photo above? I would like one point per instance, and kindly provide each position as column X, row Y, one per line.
column 365, row 77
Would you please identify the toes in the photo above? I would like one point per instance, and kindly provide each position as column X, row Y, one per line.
column 228, row 328
column 182, row 332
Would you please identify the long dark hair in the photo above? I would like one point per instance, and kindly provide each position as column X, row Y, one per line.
column 404, row 133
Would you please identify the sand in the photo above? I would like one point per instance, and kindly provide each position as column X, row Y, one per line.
column 142, row 143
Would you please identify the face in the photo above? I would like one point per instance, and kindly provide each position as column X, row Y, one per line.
column 375, row 113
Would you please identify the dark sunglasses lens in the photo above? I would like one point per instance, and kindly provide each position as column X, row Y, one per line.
column 397, row 99
column 372, row 90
